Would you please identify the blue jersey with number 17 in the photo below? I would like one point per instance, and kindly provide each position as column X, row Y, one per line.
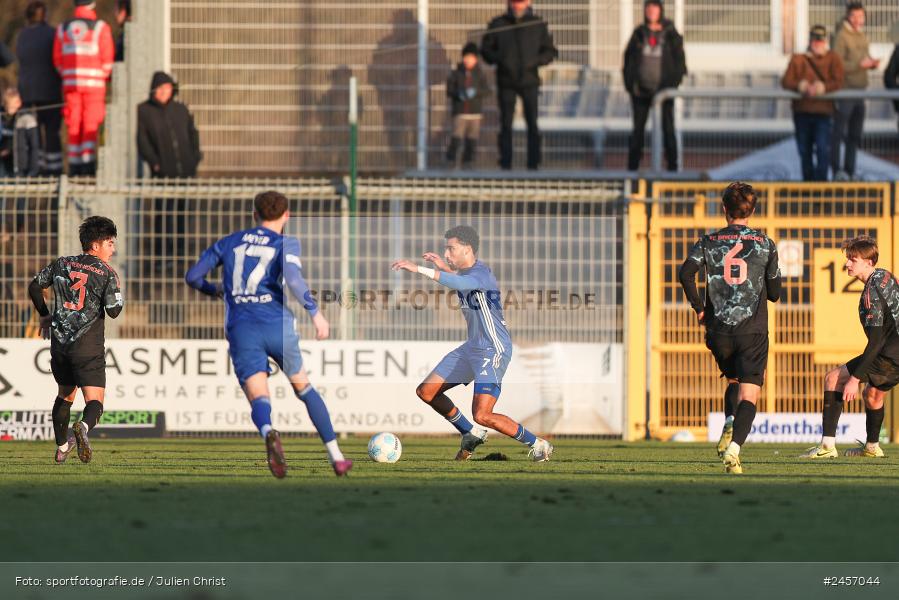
column 256, row 264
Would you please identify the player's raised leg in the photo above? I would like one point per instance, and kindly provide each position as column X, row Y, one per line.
column 745, row 415
column 433, row 392
column 318, row 414
column 874, row 413
column 834, row 382
column 256, row 389
column 93, row 410
column 62, row 407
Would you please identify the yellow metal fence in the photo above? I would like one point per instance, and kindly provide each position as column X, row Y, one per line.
column 813, row 220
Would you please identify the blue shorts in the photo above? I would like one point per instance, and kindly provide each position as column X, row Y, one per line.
column 251, row 345
column 482, row 365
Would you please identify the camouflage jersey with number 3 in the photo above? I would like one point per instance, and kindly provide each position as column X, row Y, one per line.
column 86, row 289
column 739, row 262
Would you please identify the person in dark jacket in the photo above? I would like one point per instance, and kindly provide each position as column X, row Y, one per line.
column 467, row 87
column 654, row 60
column 167, row 139
column 518, row 42
column 6, row 57
column 40, row 84
column 891, row 74
column 19, row 138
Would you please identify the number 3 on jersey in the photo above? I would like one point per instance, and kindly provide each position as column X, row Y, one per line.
column 731, row 261
column 265, row 254
column 80, row 280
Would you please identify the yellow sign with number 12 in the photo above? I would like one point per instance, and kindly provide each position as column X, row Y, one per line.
column 838, row 334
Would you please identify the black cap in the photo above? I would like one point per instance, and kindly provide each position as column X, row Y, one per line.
column 84, row 2
column 648, row 2
column 818, row 32
column 470, row 48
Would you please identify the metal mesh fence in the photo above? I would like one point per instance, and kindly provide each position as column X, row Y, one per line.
column 539, row 237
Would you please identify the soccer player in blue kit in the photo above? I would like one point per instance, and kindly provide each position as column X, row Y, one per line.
column 259, row 324
column 484, row 357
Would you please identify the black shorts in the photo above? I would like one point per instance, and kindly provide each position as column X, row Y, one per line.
column 740, row 357
column 883, row 374
column 78, row 369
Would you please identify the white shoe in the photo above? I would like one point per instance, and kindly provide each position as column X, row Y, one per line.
column 540, row 451
column 470, row 441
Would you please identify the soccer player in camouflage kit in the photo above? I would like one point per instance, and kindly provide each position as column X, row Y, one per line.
column 742, row 275
column 86, row 290
column 878, row 365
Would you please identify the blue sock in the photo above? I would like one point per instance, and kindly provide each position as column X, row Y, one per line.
column 318, row 412
column 459, row 421
column 261, row 412
column 524, row 436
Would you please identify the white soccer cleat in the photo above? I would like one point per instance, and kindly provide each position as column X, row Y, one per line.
column 540, row 451
column 470, row 441
column 816, row 452
column 732, row 463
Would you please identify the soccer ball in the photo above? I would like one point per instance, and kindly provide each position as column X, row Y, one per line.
column 385, row 448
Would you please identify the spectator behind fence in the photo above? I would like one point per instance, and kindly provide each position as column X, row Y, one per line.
column 891, row 73
column 40, row 84
column 83, row 54
column 518, row 42
column 654, row 60
column 467, row 87
column 122, row 16
column 19, row 138
column 6, row 57
column 167, row 139
column 817, row 71
column 851, row 45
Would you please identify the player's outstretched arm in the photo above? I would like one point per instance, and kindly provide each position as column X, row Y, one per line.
column 196, row 275
column 461, row 283
column 439, row 263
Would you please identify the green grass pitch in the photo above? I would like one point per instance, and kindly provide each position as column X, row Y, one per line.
column 214, row 500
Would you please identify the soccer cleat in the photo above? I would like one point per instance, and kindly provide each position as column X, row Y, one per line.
column 732, row 463
column 62, row 456
column 342, row 467
column 276, row 462
column 727, row 434
column 820, row 452
column 84, row 445
column 540, row 451
column 862, row 451
column 470, row 441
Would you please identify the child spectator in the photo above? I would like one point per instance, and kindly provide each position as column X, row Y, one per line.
column 467, row 87
column 20, row 143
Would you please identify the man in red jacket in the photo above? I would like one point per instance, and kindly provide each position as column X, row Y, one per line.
column 83, row 53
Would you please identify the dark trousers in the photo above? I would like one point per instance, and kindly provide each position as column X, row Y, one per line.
column 641, row 107
column 49, row 121
column 813, row 140
column 507, row 98
column 848, row 121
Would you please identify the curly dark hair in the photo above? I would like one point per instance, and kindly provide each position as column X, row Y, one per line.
column 739, row 200
column 96, row 229
column 270, row 205
column 465, row 234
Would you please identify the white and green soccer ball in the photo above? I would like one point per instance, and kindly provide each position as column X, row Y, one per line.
column 385, row 448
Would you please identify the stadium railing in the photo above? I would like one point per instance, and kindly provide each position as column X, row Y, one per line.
column 767, row 127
